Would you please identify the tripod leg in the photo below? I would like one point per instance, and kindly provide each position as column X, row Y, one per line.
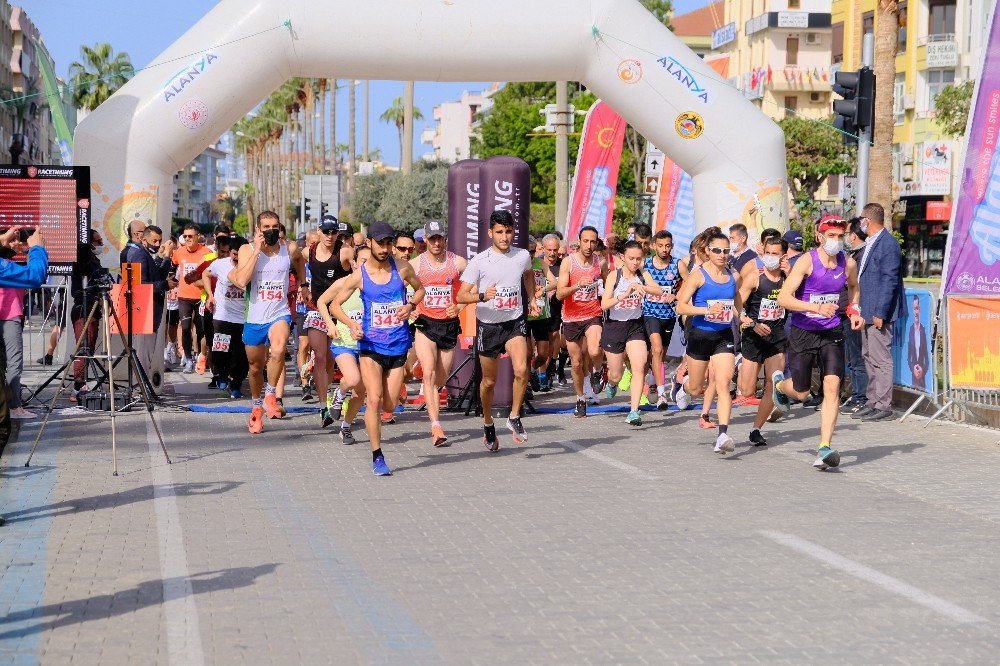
column 111, row 393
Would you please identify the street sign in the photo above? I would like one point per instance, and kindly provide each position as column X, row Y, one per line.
column 654, row 161
column 652, row 184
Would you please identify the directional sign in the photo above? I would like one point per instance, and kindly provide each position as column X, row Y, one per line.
column 654, row 161
column 652, row 184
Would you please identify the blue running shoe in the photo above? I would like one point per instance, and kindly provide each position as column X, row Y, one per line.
column 781, row 401
column 610, row 391
column 826, row 457
column 223, row 384
column 235, row 394
column 634, row 418
column 379, row 468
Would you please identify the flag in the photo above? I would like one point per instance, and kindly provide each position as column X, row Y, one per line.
column 770, row 75
column 595, row 182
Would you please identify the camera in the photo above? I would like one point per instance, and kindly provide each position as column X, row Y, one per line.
column 100, row 280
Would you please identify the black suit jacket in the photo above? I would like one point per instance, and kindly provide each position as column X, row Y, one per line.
column 154, row 272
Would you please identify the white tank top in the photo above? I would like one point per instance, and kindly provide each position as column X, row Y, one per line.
column 267, row 293
column 631, row 307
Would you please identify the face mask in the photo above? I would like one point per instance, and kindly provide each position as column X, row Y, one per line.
column 271, row 236
column 864, row 226
column 771, row 262
column 734, row 248
column 833, row 247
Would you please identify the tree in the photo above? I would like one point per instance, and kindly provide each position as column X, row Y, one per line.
column 661, row 9
column 396, row 114
column 367, row 197
column 952, row 107
column 813, row 151
column 409, row 200
column 98, row 75
column 886, row 42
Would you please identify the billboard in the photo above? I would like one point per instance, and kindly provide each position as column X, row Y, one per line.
column 973, row 342
column 913, row 358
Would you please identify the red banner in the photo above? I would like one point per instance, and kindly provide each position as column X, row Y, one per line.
column 596, row 179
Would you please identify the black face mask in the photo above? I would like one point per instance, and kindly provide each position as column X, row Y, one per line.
column 271, row 236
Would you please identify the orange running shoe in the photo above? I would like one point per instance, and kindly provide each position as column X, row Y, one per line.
column 437, row 434
column 388, row 418
column 256, row 424
column 746, row 401
column 705, row 422
column 201, row 364
column 271, row 406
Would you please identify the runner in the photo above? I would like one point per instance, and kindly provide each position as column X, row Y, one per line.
column 227, row 303
column 624, row 331
column 437, row 324
column 763, row 324
column 329, row 260
column 709, row 298
column 383, row 334
column 262, row 271
column 187, row 258
column 540, row 326
column 500, row 280
column 658, row 312
column 579, row 279
column 551, row 244
column 811, row 292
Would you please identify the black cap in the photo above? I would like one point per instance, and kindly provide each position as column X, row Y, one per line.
column 329, row 223
column 379, row 231
column 794, row 239
column 433, row 228
column 345, row 229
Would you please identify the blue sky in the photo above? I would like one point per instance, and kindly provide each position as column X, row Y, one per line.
column 144, row 28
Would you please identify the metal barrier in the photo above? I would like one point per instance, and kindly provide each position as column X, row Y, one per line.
column 56, row 313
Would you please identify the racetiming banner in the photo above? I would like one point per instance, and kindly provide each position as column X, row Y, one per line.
column 596, row 179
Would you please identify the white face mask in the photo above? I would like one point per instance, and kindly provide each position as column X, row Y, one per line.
column 864, row 225
column 771, row 262
column 832, row 246
column 733, row 248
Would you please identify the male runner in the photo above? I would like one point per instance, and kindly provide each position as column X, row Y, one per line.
column 658, row 312
column 644, row 237
column 811, row 292
column 579, row 278
column 540, row 325
column 188, row 258
column 383, row 334
column 262, row 272
column 437, row 324
column 500, row 280
column 551, row 261
column 227, row 303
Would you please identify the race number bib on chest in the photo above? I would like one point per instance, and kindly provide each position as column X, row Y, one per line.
column 384, row 315
column 271, row 290
column 539, row 280
column 630, row 302
column 201, row 309
column 187, row 269
column 356, row 316
column 315, row 320
column 586, row 294
column 724, row 317
column 770, row 310
column 234, row 293
column 822, row 299
column 220, row 343
column 507, row 298
column 437, row 296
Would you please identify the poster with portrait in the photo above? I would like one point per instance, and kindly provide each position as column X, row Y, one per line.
column 913, row 354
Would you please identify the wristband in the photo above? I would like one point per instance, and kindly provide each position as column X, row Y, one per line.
column 853, row 309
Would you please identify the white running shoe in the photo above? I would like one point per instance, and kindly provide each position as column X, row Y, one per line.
column 588, row 393
column 683, row 399
column 724, row 444
column 22, row 413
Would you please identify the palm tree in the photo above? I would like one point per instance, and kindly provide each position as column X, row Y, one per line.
column 99, row 75
column 396, row 114
column 886, row 39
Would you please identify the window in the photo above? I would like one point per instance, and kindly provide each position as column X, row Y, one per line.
column 868, row 23
column 794, row 4
column 791, row 105
column 792, row 51
column 936, row 80
column 837, row 45
column 899, row 99
column 901, row 33
column 942, row 17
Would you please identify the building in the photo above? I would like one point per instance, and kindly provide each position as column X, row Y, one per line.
column 939, row 43
column 695, row 28
column 455, row 120
column 196, row 187
column 6, row 80
column 32, row 119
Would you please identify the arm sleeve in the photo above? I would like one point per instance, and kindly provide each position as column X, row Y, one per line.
column 29, row 276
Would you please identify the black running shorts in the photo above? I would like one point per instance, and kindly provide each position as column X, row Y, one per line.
column 810, row 349
column 387, row 362
column 540, row 329
column 702, row 345
column 662, row 327
column 617, row 334
column 757, row 349
column 492, row 339
column 574, row 331
column 442, row 332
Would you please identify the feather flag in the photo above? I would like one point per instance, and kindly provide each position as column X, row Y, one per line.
column 592, row 197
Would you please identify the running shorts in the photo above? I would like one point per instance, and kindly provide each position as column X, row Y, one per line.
column 442, row 332
column 540, row 329
column 702, row 345
column 662, row 327
column 574, row 331
column 173, row 317
column 337, row 350
column 387, row 362
column 809, row 349
column 758, row 349
column 300, row 323
column 617, row 334
column 492, row 339
column 255, row 335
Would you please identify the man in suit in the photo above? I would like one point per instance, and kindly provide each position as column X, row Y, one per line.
column 153, row 255
column 917, row 353
column 881, row 281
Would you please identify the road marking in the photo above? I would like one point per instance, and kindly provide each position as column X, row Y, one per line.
column 179, row 608
column 886, row 582
column 611, row 462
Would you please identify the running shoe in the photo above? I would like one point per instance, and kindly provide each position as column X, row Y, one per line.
column 223, row 385
column 534, row 381
column 610, row 391
column 379, row 468
column 347, row 435
column 256, row 424
column 326, row 418
column 214, row 384
column 581, row 409
column 438, row 436
column 490, row 440
column 662, row 403
column 235, row 393
column 781, row 402
column 682, row 398
column 705, row 422
column 188, row 366
column 757, row 439
column 544, row 382
column 826, row 457
column 272, row 407
column 307, row 394
column 634, row 418
column 597, row 380
column 589, row 394
column 746, row 401
column 201, row 365
column 388, row 418
column 517, row 430
column 22, row 413
column 281, row 408
column 863, row 412
column 45, row 360
column 724, row 444
column 852, row 407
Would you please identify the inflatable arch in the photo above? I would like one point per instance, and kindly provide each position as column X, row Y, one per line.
column 243, row 50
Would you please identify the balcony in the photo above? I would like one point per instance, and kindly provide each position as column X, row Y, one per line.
column 937, row 52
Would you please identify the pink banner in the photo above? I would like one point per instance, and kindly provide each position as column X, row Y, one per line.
column 596, row 179
column 675, row 207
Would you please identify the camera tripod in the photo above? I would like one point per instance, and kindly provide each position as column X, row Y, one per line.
column 470, row 391
column 106, row 372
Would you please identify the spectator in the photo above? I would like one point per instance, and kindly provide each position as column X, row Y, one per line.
column 917, row 353
column 154, row 258
column 739, row 251
column 12, row 327
column 135, row 231
column 855, row 362
column 881, row 281
column 87, row 267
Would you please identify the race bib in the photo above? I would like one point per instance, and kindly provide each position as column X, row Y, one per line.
column 539, row 280
column 437, row 296
column 507, row 298
column 271, row 290
column 187, row 268
column 201, row 309
column 384, row 315
column 770, row 310
column 586, row 294
column 356, row 316
column 220, row 343
column 172, row 296
column 630, row 302
column 822, row 299
column 234, row 293
column 725, row 317
column 315, row 320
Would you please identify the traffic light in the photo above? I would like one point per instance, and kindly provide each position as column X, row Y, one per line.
column 856, row 112
column 322, row 209
column 306, row 201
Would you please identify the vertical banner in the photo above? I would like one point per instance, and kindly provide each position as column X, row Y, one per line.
column 463, row 240
column 595, row 182
column 913, row 357
column 973, row 256
column 675, row 207
column 973, row 343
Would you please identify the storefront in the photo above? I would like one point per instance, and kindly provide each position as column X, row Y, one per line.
column 925, row 231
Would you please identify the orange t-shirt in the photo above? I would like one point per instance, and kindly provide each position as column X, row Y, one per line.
column 187, row 262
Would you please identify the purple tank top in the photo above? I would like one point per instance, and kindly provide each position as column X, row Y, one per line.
column 822, row 286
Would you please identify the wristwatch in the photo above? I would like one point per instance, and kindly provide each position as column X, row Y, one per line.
column 482, row 298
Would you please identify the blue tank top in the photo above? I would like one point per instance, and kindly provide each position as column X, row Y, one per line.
column 823, row 285
column 709, row 293
column 668, row 278
column 385, row 333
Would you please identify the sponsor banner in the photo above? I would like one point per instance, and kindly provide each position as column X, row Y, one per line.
column 973, row 343
column 913, row 358
column 592, row 198
column 463, row 240
column 973, row 256
column 675, row 207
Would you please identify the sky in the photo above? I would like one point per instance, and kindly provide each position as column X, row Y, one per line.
column 145, row 28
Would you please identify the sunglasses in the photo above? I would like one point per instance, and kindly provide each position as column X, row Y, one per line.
column 187, row 236
column 719, row 250
column 404, row 248
column 329, row 232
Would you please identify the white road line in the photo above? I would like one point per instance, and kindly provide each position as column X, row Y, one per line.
column 886, row 582
column 179, row 609
column 611, row 462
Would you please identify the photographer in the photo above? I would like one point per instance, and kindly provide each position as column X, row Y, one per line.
column 87, row 267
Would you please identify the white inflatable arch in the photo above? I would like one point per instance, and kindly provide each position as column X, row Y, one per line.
column 243, row 50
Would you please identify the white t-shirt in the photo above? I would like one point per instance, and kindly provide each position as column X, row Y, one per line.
column 506, row 272
column 230, row 300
